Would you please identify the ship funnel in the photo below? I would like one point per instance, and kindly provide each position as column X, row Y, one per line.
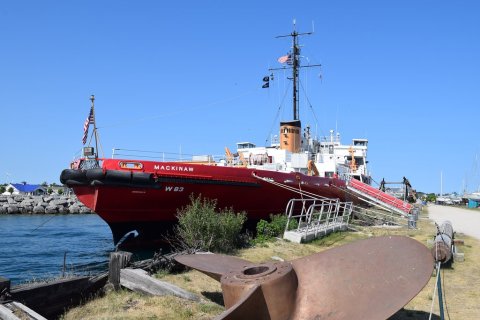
column 290, row 135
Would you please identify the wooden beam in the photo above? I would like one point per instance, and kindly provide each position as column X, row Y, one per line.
column 15, row 310
column 138, row 280
column 118, row 261
column 50, row 299
column 7, row 314
column 4, row 286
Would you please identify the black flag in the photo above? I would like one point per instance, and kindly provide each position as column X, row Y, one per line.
column 266, row 82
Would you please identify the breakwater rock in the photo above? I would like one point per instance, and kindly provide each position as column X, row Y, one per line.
column 47, row 204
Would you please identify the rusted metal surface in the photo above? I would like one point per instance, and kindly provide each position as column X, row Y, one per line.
column 367, row 279
column 443, row 243
column 213, row 265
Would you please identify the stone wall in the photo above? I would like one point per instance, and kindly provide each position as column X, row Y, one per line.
column 47, row 204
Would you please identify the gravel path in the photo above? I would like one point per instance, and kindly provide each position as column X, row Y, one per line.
column 463, row 220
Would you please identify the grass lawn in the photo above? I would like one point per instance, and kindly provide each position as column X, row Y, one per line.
column 460, row 282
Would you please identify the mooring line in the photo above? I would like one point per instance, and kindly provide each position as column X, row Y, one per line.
column 43, row 223
column 434, row 291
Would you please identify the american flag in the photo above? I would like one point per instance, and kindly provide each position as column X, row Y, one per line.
column 285, row 59
column 90, row 119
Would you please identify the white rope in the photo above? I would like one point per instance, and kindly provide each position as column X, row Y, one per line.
column 179, row 110
column 434, row 291
column 293, row 189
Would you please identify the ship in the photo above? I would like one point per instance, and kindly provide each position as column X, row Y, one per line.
column 143, row 197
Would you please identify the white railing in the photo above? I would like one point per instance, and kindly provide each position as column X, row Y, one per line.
column 164, row 156
column 316, row 217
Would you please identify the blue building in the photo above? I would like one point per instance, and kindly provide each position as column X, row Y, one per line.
column 473, row 203
column 26, row 189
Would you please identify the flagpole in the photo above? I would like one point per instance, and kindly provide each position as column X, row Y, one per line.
column 92, row 98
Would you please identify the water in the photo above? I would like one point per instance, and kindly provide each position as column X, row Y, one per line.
column 32, row 247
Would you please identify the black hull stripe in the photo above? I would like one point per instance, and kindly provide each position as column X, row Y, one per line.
column 158, row 183
column 202, row 181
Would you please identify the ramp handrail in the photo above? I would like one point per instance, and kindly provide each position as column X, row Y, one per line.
column 380, row 195
column 318, row 214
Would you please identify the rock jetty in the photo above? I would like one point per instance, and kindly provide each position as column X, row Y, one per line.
column 46, row 204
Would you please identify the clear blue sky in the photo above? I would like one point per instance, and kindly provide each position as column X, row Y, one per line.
column 186, row 75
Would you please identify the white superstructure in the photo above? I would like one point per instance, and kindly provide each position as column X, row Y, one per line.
column 325, row 157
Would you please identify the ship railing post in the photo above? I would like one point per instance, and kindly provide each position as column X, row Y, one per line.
column 327, row 221
column 289, row 214
column 323, row 209
column 308, row 216
column 350, row 210
column 334, row 219
column 337, row 212
column 315, row 219
column 321, row 223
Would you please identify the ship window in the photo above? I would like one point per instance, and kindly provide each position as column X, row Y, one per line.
column 245, row 145
column 359, row 142
column 131, row 165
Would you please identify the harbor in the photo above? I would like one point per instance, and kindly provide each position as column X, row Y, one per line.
column 314, row 161
column 460, row 298
column 37, row 247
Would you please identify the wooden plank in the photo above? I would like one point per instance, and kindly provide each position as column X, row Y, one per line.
column 50, row 299
column 138, row 280
column 26, row 311
column 7, row 314
column 118, row 261
column 4, row 286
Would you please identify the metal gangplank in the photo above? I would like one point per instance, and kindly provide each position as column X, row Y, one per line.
column 379, row 197
column 316, row 218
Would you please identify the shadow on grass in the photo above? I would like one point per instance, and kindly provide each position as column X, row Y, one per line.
column 402, row 314
column 216, row 297
column 405, row 314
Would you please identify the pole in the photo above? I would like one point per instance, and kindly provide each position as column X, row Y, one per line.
column 92, row 98
column 296, row 54
column 441, row 183
column 295, row 68
column 440, row 295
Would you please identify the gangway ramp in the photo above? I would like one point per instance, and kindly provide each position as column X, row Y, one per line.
column 316, row 218
column 379, row 197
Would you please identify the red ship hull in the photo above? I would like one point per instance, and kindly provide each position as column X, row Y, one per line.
column 150, row 206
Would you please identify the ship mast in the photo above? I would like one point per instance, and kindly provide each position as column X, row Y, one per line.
column 295, row 65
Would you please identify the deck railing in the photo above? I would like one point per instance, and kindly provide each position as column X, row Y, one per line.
column 317, row 217
column 164, row 156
